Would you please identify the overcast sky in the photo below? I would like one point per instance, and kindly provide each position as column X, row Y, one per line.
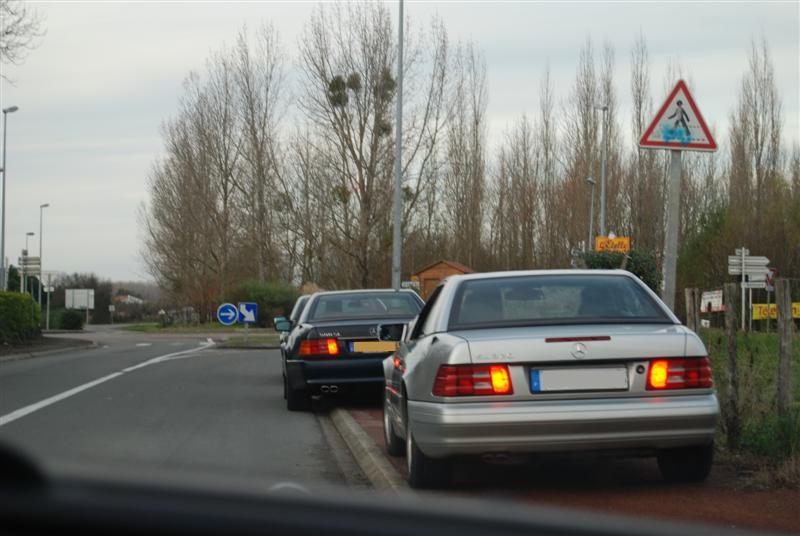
column 93, row 95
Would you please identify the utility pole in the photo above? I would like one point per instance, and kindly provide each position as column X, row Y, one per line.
column 604, row 151
column 589, row 246
column 398, row 152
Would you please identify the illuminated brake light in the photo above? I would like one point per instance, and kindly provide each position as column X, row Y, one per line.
column 658, row 374
column 501, row 383
column 689, row 373
column 469, row 380
column 319, row 347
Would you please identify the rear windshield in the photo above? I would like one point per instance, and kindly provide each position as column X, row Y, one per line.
column 557, row 299
column 367, row 305
column 298, row 308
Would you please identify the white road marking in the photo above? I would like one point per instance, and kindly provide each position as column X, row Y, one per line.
column 27, row 410
column 142, row 344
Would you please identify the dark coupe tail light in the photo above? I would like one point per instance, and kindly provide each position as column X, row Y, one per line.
column 686, row 373
column 472, row 380
column 319, row 347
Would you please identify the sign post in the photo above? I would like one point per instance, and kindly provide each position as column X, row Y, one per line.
column 753, row 271
column 678, row 126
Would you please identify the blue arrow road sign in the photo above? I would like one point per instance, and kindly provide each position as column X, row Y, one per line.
column 248, row 312
column 227, row 314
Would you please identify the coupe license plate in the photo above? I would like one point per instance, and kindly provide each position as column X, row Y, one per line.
column 579, row 379
column 372, row 347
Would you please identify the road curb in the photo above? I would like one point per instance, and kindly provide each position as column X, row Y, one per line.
column 369, row 457
column 54, row 351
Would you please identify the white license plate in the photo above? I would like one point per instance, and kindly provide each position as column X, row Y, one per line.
column 579, row 379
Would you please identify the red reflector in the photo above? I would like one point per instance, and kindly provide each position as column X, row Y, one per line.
column 319, row 347
column 689, row 373
column 469, row 380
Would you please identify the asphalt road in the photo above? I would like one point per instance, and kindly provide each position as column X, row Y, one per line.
column 164, row 403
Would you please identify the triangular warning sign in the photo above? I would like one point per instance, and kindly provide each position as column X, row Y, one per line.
column 678, row 125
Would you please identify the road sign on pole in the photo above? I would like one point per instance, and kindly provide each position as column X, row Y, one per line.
column 678, row 126
column 227, row 314
column 754, row 272
column 248, row 312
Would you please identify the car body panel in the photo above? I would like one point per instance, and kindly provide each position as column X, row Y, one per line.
column 529, row 421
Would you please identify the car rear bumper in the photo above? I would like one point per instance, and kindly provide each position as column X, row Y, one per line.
column 312, row 375
column 563, row 425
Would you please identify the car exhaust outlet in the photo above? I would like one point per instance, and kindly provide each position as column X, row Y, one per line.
column 329, row 388
column 334, row 388
column 324, row 388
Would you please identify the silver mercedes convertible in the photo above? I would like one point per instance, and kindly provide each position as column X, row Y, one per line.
column 512, row 363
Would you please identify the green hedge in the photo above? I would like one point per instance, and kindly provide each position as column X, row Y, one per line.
column 273, row 298
column 640, row 263
column 19, row 318
column 72, row 319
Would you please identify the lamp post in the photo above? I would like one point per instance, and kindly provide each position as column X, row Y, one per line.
column 593, row 182
column 398, row 166
column 41, row 264
column 6, row 111
column 25, row 261
column 604, row 108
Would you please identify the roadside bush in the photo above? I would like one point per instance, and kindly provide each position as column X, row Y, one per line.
column 640, row 263
column 273, row 298
column 72, row 319
column 19, row 318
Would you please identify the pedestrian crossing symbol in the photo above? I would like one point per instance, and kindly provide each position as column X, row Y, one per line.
column 678, row 125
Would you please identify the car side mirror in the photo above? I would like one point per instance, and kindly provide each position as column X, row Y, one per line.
column 391, row 332
column 282, row 324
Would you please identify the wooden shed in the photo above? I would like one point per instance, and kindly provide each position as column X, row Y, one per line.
column 431, row 275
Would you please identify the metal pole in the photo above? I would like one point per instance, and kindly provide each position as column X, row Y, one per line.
column 47, row 324
column 41, row 215
column 673, row 225
column 603, row 177
column 589, row 246
column 397, row 157
column 750, row 310
column 769, row 309
column 3, row 224
column 744, row 305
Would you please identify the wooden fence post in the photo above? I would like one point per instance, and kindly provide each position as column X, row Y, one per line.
column 783, row 301
column 731, row 411
column 688, row 294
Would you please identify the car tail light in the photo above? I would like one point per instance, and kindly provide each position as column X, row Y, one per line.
column 319, row 347
column 472, row 380
column 688, row 373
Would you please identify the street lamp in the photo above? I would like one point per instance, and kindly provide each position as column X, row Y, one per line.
column 6, row 111
column 41, row 265
column 604, row 108
column 25, row 261
column 593, row 182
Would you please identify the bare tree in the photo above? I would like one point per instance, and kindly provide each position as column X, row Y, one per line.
column 20, row 30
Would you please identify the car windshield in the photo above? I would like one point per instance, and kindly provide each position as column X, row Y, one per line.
column 562, row 299
column 364, row 305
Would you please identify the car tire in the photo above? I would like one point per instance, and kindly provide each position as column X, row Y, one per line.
column 425, row 472
column 687, row 464
column 395, row 445
column 296, row 399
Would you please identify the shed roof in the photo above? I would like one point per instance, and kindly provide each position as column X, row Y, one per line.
column 457, row 265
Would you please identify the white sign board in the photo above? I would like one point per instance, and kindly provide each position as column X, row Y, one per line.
column 79, row 298
column 678, row 125
column 711, row 302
